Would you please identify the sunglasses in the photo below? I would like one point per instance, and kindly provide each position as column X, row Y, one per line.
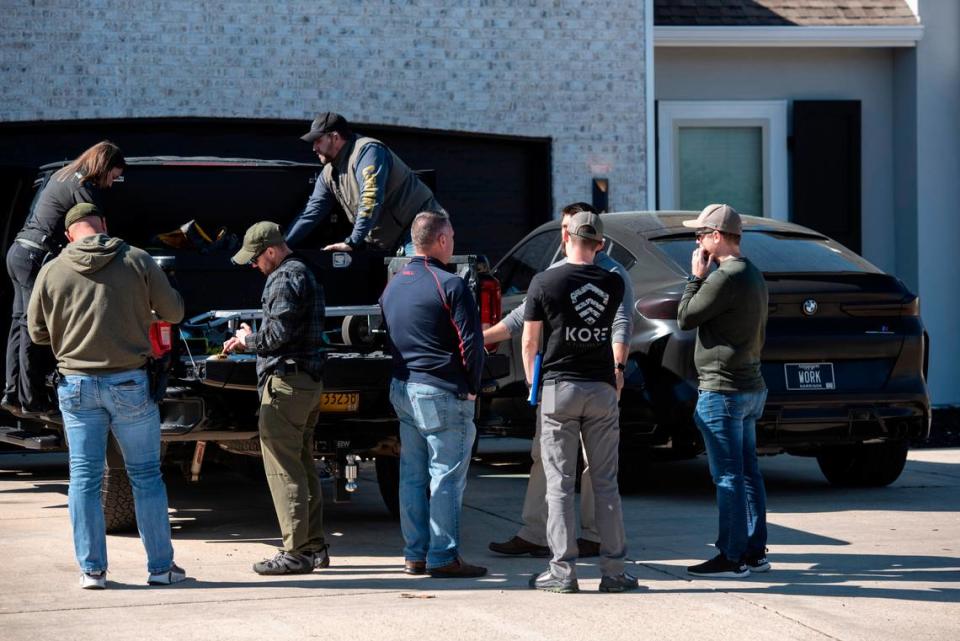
column 700, row 233
column 253, row 261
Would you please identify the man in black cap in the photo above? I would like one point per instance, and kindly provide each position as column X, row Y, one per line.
column 289, row 369
column 574, row 307
column 378, row 192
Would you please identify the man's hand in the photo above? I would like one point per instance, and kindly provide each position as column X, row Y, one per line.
column 471, row 397
column 238, row 342
column 338, row 247
column 700, row 263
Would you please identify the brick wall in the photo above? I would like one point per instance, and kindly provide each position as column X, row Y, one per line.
column 572, row 70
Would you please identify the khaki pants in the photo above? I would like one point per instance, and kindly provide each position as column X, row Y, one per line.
column 288, row 413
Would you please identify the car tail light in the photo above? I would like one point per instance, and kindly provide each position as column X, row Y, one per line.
column 909, row 308
column 489, row 301
column 658, row 307
column 161, row 338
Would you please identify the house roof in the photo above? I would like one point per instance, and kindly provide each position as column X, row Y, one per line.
column 782, row 13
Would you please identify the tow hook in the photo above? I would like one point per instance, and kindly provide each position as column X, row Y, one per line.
column 350, row 471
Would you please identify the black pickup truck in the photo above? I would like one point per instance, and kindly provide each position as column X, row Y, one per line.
column 211, row 402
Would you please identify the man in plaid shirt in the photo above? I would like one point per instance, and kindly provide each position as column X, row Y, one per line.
column 289, row 369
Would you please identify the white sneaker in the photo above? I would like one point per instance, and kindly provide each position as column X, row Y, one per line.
column 93, row 580
column 175, row 574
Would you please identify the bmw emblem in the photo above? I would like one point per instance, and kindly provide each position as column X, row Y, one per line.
column 810, row 307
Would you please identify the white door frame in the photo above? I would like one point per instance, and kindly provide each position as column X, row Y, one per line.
column 769, row 115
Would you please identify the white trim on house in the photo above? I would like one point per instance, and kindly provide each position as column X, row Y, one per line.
column 873, row 36
column 650, row 98
column 769, row 115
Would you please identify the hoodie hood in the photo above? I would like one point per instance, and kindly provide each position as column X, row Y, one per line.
column 93, row 253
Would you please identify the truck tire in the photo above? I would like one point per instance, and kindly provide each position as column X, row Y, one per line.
column 388, row 478
column 873, row 465
column 116, row 497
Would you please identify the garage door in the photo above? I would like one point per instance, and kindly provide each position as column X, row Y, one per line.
column 496, row 188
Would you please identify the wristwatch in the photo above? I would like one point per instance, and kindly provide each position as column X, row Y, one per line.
column 620, row 367
column 692, row 278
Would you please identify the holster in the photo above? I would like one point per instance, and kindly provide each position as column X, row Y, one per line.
column 158, row 372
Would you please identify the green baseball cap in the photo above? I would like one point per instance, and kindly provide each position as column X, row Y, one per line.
column 260, row 236
column 79, row 212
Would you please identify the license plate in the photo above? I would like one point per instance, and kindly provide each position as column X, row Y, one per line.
column 339, row 401
column 809, row 376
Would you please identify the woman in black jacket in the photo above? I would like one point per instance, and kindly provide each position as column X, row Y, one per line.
column 43, row 233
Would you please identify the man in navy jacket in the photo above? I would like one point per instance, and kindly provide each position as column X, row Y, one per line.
column 434, row 329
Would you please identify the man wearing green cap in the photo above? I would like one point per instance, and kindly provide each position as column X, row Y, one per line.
column 93, row 304
column 289, row 370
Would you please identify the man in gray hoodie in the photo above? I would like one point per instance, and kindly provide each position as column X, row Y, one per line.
column 93, row 305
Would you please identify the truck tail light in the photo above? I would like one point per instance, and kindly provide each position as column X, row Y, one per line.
column 161, row 338
column 489, row 301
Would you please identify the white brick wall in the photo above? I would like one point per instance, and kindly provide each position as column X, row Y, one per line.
column 572, row 70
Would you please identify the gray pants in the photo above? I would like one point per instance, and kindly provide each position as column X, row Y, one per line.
column 570, row 411
column 535, row 504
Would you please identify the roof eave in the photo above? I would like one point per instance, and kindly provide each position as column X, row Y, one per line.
column 792, row 36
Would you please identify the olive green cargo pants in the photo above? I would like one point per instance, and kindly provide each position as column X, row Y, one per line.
column 289, row 409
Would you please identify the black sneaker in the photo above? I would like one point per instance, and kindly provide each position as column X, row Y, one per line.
column 620, row 583
column 721, row 568
column 757, row 562
column 285, row 563
column 321, row 557
column 548, row 583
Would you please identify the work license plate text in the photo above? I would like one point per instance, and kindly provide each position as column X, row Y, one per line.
column 339, row 401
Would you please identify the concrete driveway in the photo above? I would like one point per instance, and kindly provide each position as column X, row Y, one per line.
column 847, row 564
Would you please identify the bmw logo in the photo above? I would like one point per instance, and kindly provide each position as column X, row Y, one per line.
column 810, row 307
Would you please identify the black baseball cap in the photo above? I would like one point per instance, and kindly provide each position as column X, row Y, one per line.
column 325, row 123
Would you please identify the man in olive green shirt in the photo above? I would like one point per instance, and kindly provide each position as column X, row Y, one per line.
column 728, row 308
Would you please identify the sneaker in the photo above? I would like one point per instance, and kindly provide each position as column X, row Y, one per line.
column 285, row 563
column 720, row 567
column 547, row 582
column 175, row 574
column 518, row 546
column 620, row 583
column 321, row 557
column 93, row 580
column 757, row 562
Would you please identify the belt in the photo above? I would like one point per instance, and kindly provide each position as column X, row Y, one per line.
column 29, row 244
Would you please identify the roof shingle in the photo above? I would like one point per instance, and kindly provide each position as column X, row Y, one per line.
column 744, row 13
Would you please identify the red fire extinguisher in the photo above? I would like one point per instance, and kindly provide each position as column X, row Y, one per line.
column 161, row 338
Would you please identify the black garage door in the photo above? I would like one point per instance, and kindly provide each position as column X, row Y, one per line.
column 496, row 188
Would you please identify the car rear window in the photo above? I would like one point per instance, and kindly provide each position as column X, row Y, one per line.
column 778, row 253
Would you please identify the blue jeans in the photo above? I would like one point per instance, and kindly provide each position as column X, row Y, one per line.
column 436, row 437
column 728, row 422
column 92, row 406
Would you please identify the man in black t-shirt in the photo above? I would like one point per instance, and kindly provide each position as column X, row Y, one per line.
column 574, row 306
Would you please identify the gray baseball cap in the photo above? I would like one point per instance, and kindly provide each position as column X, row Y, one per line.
column 260, row 236
column 720, row 217
column 587, row 225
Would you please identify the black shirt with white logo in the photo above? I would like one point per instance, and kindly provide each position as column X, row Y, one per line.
column 577, row 304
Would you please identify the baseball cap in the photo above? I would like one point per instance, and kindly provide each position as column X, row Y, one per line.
column 325, row 123
column 79, row 212
column 587, row 225
column 720, row 217
column 260, row 236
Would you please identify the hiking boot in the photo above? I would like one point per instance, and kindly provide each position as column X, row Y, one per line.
column 620, row 583
column 321, row 557
column 720, row 567
column 517, row 546
column 547, row 582
column 757, row 562
column 11, row 404
column 175, row 574
column 587, row 548
column 457, row 569
column 93, row 580
column 285, row 563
